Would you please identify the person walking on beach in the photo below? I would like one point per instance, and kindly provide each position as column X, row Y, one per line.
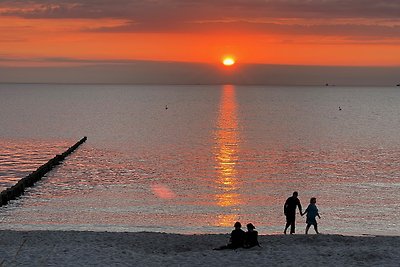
column 237, row 238
column 312, row 212
column 251, row 237
column 290, row 212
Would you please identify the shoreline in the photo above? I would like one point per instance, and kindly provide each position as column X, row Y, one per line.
column 77, row 248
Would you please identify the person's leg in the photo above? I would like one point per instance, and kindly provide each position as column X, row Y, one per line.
column 307, row 227
column 286, row 227
column 293, row 226
column 288, row 223
column 316, row 228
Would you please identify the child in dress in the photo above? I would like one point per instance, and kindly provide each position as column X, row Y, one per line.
column 312, row 212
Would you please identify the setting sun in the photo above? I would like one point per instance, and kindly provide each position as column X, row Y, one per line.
column 228, row 61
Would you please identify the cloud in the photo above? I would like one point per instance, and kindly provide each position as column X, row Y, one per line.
column 142, row 9
column 72, row 60
column 348, row 31
column 313, row 17
column 146, row 72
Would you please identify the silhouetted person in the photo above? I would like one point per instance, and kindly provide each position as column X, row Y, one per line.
column 237, row 238
column 312, row 212
column 251, row 237
column 290, row 212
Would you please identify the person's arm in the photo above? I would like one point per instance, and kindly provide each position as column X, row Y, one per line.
column 245, row 240
column 300, row 208
column 258, row 244
column 285, row 207
column 230, row 238
column 305, row 212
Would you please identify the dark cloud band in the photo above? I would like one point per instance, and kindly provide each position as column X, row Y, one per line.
column 380, row 19
column 184, row 9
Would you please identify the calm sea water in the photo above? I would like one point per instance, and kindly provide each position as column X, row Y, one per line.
column 195, row 159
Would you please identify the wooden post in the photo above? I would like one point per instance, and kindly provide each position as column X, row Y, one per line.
column 19, row 188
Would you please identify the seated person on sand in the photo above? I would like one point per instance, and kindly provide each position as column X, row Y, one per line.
column 237, row 238
column 251, row 237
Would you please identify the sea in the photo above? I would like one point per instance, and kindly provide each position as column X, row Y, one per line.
column 194, row 159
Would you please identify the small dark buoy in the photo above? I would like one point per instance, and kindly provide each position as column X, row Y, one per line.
column 327, row 84
column 340, row 108
column 166, row 106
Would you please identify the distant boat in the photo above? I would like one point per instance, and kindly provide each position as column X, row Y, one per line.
column 398, row 84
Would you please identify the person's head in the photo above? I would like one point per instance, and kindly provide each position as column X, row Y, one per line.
column 250, row 227
column 237, row 225
column 313, row 200
column 295, row 194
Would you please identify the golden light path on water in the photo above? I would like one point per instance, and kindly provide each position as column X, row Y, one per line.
column 226, row 156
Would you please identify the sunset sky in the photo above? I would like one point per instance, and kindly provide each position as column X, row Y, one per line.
column 59, row 33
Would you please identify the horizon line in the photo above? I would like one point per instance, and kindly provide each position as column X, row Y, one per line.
column 197, row 84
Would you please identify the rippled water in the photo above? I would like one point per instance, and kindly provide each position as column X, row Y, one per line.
column 19, row 158
column 217, row 154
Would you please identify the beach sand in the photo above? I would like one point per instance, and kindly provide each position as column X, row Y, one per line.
column 62, row 248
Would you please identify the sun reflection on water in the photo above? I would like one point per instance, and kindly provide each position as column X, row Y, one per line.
column 226, row 156
column 227, row 220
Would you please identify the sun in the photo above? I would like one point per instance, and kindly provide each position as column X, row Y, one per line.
column 228, row 61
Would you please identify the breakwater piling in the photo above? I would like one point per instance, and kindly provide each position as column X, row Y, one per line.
column 19, row 188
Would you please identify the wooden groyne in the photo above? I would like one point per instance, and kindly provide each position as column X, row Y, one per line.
column 19, row 188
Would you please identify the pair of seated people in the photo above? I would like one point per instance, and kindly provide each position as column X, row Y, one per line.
column 241, row 239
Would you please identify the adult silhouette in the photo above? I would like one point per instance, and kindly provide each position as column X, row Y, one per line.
column 290, row 212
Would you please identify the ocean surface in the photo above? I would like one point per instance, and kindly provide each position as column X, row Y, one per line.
column 195, row 159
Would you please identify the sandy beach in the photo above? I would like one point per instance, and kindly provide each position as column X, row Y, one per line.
column 58, row 248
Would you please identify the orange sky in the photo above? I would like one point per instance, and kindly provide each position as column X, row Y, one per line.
column 69, row 32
